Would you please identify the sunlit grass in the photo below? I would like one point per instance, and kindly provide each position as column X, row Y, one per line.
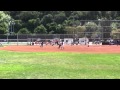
column 42, row 65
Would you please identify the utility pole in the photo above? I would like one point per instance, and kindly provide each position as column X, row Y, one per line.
column 100, row 28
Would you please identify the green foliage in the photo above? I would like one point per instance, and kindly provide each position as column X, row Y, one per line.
column 18, row 25
column 53, row 19
column 115, row 34
column 90, row 27
column 2, row 28
column 47, row 19
column 60, row 29
column 80, row 30
column 26, row 15
column 40, row 30
column 45, row 65
column 70, row 29
column 59, row 18
column 32, row 24
column 115, row 30
column 23, row 31
column 115, row 25
column 68, row 22
column 51, row 27
column 75, row 30
column 4, row 22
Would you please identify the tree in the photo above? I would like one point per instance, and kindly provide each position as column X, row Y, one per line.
column 75, row 30
column 115, row 30
column 68, row 23
column 67, row 13
column 80, row 30
column 60, row 29
column 40, row 30
column 32, row 19
column 115, row 34
column 46, row 19
column 115, row 25
column 91, row 27
column 70, row 29
column 26, row 15
column 105, row 27
column 32, row 24
column 4, row 22
column 14, row 14
column 51, row 27
column 59, row 18
column 18, row 25
column 23, row 31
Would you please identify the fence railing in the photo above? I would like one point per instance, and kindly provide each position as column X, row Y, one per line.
column 26, row 39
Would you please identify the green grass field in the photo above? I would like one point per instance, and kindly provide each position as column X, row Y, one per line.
column 42, row 65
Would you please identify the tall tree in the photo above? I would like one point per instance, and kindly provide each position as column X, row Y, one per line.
column 23, row 31
column 40, row 30
column 46, row 19
column 59, row 18
column 4, row 22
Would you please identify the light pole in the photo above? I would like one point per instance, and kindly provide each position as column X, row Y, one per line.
column 11, row 24
column 8, row 30
column 100, row 28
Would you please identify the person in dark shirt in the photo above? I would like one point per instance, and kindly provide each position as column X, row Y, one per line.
column 59, row 45
column 88, row 43
column 117, row 42
column 41, row 45
column 62, row 45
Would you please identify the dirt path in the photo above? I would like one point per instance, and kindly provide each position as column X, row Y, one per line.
column 68, row 48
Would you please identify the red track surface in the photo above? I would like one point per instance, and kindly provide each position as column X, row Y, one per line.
column 67, row 48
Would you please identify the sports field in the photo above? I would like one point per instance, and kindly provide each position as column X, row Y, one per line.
column 41, row 63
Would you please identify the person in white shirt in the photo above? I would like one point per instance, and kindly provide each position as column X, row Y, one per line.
column 62, row 45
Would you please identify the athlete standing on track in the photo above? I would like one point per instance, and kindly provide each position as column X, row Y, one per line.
column 41, row 45
column 118, row 42
column 59, row 45
column 1, row 44
column 88, row 42
column 62, row 45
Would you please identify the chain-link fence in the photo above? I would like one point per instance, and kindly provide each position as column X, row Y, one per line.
column 27, row 39
column 100, row 30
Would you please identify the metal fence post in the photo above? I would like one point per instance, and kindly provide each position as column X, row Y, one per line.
column 17, row 39
column 7, row 38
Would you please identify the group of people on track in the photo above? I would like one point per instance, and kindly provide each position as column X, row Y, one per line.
column 59, row 43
